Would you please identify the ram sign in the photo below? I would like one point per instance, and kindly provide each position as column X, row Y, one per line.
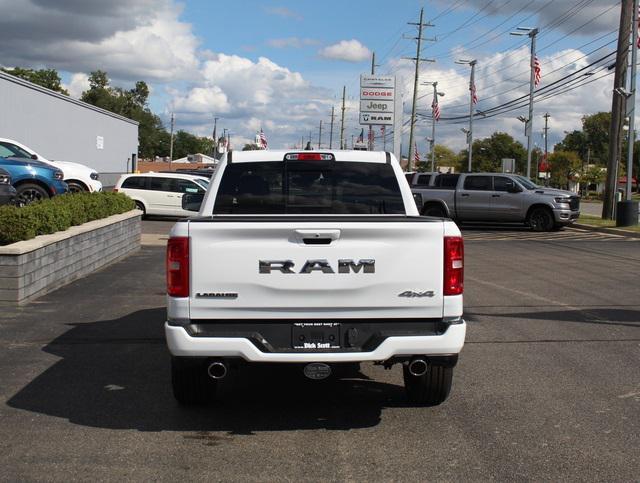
column 377, row 94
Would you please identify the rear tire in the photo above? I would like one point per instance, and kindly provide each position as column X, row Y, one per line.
column 541, row 219
column 433, row 210
column 140, row 206
column 190, row 381
column 28, row 193
column 430, row 389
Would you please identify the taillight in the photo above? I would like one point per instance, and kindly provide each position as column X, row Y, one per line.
column 178, row 267
column 309, row 157
column 453, row 265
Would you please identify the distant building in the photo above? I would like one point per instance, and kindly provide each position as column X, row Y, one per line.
column 65, row 129
column 196, row 158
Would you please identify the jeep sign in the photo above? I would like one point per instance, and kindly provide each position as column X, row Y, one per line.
column 377, row 99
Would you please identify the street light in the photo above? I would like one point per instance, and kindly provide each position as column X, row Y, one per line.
column 436, row 94
column 531, row 32
column 472, row 64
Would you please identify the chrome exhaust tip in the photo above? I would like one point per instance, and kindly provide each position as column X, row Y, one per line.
column 418, row 367
column 217, row 370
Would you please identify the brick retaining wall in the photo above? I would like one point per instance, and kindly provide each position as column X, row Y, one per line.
column 31, row 268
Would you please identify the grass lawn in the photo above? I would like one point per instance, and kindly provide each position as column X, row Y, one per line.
column 597, row 221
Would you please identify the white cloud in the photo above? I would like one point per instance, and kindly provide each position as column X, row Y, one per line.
column 347, row 50
column 78, row 84
column 147, row 41
column 501, row 78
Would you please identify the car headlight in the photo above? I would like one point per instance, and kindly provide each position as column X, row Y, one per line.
column 94, row 176
column 560, row 199
column 58, row 175
column 4, row 179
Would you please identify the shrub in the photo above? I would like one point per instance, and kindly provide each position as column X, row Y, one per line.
column 58, row 214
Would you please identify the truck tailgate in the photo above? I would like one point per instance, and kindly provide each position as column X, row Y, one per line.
column 226, row 282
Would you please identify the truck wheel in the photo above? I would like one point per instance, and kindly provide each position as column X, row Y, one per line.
column 541, row 219
column 430, row 389
column 433, row 210
column 190, row 381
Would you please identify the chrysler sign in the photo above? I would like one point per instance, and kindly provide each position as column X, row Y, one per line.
column 377, row 99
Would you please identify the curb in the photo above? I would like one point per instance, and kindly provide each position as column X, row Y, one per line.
column 603, row 229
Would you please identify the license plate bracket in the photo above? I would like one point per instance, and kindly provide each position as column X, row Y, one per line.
column 315, row 335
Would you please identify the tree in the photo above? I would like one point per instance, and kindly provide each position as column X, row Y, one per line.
column 251, row 147
column 48, row 78
column 592, row 175
column 152, row 137
column 488, row 154
column 444, row 157
column 563, row 166
column 185, row 143
column 592, row 142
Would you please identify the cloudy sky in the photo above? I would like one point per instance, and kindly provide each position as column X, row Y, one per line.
column 281, row 65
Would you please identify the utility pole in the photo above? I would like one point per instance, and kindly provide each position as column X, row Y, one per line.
column 528, row 123
column 320, row 135
column 214, row 135
column 631, row 104
column 546, row 147
column 469, row 132
column 171, row 142
column 617, row 110
column 373, row 71
column 331, row 131
column 417, row 60
column 344, row 94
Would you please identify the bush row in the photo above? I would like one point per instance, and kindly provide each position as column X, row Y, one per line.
column 58, row 214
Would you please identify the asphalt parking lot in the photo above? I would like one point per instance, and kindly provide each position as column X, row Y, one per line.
column 547, row 388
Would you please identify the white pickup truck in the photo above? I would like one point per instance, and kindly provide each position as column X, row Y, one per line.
column 319, row 259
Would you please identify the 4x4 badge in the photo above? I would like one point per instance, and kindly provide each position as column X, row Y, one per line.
column 412, row 294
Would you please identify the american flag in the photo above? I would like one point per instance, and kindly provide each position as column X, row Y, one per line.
column 537, row 71
column 435, row 106
column 638, row 23
column 474, row 94
column 416, row 156
column 263, row 139
column 372, row 137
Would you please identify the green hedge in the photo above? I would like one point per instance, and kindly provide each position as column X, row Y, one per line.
column 58, row 214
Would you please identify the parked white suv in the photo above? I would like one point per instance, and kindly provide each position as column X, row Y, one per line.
column 78, row 176
column 161, row 193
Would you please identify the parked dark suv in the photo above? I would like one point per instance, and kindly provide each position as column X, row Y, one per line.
column 7, row 191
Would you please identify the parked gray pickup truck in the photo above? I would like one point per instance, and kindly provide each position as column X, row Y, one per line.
column 497, row 197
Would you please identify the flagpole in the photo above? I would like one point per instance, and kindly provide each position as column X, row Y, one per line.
column 533, row 33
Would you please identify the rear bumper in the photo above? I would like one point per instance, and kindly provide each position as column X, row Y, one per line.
column 182, row 344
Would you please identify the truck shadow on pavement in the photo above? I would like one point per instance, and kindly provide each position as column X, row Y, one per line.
column 116, row 374
column 595, row 315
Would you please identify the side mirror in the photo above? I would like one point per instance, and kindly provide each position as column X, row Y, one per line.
column 514, row 189
column 34, row 156
column 192, row 201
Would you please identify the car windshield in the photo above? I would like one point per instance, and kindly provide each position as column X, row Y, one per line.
column 202, row 182
column 527, row 183
column 16, row 151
